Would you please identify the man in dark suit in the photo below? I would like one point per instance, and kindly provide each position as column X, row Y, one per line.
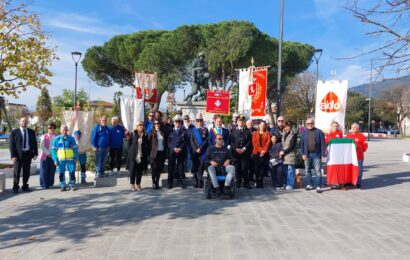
column 241, row 145
column 218, row 129
column 23, row 148
column 199, row 143
column 177, row 145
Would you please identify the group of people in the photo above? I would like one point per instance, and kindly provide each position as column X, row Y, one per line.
column 246, row 152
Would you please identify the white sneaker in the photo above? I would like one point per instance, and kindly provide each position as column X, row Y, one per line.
column 289, row 187
column 112, row 173
column 309, row 187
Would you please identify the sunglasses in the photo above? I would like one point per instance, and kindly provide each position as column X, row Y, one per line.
column 150, row 115
column 219, row 138
column 179, row 122
column 280, row 120
column 309, row 123
column 156, row 123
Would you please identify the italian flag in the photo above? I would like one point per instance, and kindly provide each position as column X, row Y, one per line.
column 342, row 166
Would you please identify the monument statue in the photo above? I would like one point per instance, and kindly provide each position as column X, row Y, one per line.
column 200, row 78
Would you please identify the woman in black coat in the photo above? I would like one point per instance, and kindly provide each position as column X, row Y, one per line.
column 158, row 139
column 138, row 147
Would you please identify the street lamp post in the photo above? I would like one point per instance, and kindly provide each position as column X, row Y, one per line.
column 278, row 105
column 316, row 55
column 76, row 58
column 370, row 98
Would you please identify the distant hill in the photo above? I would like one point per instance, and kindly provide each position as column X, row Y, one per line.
column 380, row 86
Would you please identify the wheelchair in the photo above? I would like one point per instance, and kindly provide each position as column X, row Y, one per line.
column 210, row 191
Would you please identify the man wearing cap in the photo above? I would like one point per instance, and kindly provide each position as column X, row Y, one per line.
column 218, row 129
column 241, row 144
column 177, row 145
column 199, row 144
column 233, row 124
column 278, row 130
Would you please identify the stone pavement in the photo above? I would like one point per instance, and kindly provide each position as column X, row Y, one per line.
column 113, row 223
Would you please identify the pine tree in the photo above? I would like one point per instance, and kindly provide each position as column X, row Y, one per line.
column 44, row 107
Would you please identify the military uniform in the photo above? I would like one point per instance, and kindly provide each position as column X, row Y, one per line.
column 242, row 139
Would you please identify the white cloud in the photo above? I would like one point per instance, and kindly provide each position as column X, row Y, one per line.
column 355, row 74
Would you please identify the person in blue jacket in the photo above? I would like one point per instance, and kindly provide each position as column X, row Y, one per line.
column 117, row 134
column 100, row 142
column 65, row 155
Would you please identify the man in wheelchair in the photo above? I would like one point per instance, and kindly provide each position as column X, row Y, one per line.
column 218, row 157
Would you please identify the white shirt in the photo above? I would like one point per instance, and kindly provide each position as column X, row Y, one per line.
column 139, row 152
column 25, row 138
column 160, row 141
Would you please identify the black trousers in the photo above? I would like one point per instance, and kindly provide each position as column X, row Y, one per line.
column 197, row 167
column 175, row 168
column 260, row 168
column 25, row 163
column 157, row 167
column 136, row 173
column 276, row 174
column 115, row 155
column 242, row 169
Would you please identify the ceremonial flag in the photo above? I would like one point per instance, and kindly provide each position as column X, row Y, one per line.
column 330, row 105
column 252, row 92
column 132, row 111
column 342, row 166
column 217, row 102
column 146, row 85
column 83, row 121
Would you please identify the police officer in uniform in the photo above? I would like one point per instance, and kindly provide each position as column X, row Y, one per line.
column 241, row 145
column 199, row 143
column 177, row 145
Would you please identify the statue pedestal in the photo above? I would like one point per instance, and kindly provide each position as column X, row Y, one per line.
column 192, row 108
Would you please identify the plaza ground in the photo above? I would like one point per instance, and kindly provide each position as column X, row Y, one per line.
column 113, row 223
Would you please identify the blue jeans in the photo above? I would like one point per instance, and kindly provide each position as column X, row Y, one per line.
column 62, row 180
column 313, row 160
column 100, row 158
column 359, row 178
column 289, row 174
column 276, row 174
column 47, row 172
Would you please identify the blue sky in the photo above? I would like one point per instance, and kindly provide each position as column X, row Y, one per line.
column 77, row 25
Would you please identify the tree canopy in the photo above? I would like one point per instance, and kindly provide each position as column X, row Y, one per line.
column 24, row 55
column 227, row 46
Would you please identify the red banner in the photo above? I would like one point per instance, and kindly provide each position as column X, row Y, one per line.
column 217, row 102
column 258, row 92
column 146, row 84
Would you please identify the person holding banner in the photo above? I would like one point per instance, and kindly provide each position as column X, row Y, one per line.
column 177, row 144
column 100, row 142
column 158, row 139
column 361, row 147
column 241, row 143
column 334, row 132
column 312, row 144
column 288, row 154
column 137, row 155
column 199, row 143
column 261, row 144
